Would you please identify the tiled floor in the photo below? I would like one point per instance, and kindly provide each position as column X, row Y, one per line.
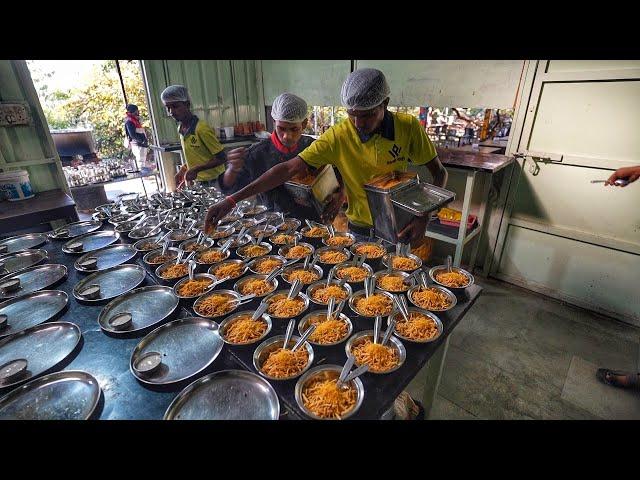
column 519, row 355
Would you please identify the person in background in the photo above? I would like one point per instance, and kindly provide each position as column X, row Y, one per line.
column 204, row 154
column 289, row 113
column 136, row 135
column 617, row 378
column 373, row 141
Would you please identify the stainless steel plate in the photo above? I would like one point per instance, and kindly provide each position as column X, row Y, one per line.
column 188, row 346
column 18, row 261
column 226, row 395
column 113, row 282
column 147, row 306
column 35, row 278
column 93, row 241
column 32, row 309
column 108, row 257
column 66, row 395
column 43, row 346
column 23, row 242
column 76, row 229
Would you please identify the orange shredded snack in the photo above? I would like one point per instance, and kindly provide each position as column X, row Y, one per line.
column 282, row 239
column 419, row 326
column 392, row 283
column 453, row 279
column 306, row 179
column 376, row 304
column 193, row 247
column 193, row 288
column 323, row 294
column 333, row 257
column 149, row 246
column 244, row 329
column 298, row 251
column 215, row 305
column 257, row 286
column 157, row 260
column 305, row 276
column 430, row 299
column 339, row 241
column 288, row 225
column 222, row 233
column 175, row 271
column 403, row 263
column 316, row 232
column 324, row 398
column 229, row 270
column 211, row 256
column 283, row 363
column 370, row 251
column 328, row 331
column 353, row 274
column 380, row 358
column 252, row 251
column 179, row 237
column 281, row 306
column 268, row 265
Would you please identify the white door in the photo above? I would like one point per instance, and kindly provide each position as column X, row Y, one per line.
column 562, row 235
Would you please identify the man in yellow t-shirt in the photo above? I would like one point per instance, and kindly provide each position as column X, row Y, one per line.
column 203, row 151
column 371, row 142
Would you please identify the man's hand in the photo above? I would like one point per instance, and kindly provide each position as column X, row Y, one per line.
column 235, row 158
column 630, row 173
column 179, row 178
column 414, row 231
column 216, row 213
column 191, row 175
column 336, row 200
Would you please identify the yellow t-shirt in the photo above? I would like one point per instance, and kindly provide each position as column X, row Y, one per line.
column 199, row 146
column 359, row 162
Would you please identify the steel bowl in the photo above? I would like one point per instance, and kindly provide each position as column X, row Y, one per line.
column 116, row 219
column 304, row 323
column 389, row 256
column 348, row 235
column 289, row 224
column 450, row 295
column 354, row 247
column 125, row 227
column 188, row 243
column 322, row 283
column 274, row 242
column 250, row 211
column 298, row 266
column 230, row 218
column 284, row 250
column 196, row 276
column 327, row 371
column 242, row 281
column 149, row 256
column 248, row 222
column 393, row 342
column 350, row 264
column 202, row 298
column 274, row 218
column 176, row 235
column 168, row 281
column 144, row 232
column 322, row 250
column 223, row 232
column 256, row 262
column 394, row 273
column 258, row 229
column 301, row 296
column 265, row 348
column 315, row 241
column 234, row 317
column 361, row 293
column 398, row 316
column 240, row 251
column 434, row 270
column 235, row 243
column 198, row 257
column 213, row 268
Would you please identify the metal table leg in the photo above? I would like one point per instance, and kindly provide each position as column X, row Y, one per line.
column 466, row 206
column 433, row 372
column 482, row 219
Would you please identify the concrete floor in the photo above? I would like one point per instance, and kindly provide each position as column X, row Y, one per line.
column 519, row 355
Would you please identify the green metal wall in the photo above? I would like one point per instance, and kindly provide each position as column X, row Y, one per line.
column 223, row 92
column 28, row 147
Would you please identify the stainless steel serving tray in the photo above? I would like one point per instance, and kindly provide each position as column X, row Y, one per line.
column 18, row 261
column 148, row 306
column 66, row 395
column 113, row 282
column 76, row 229
column 43, row 346
column 30, row 310
column 226, row 395
column 93, row 241
column 187, row 345
column 107, row 257
column 23, row 242
column 35, row 278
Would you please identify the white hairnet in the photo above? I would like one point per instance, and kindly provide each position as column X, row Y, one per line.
column 364, row 89
column 175, row 93
column 288, row 107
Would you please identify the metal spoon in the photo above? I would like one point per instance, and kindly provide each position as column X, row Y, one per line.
column 376, row 328
column 260, row 310
column 390, row 329
column 330, row 277
column 269, row 278
column 448, row 263
column 367, row 287
column 307, row 333
column 226, row 246
column 179, row 257
column 400, row 306
column 287, row 335
column 296, row 286
column 244, row 299
column 192, row 267
column 424, row 280
column 330, row 305
column 307, row 259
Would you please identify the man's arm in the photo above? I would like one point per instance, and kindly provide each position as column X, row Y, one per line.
column 236, row 174
column 218, row 159
column 272, row 178
column 438, row 172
